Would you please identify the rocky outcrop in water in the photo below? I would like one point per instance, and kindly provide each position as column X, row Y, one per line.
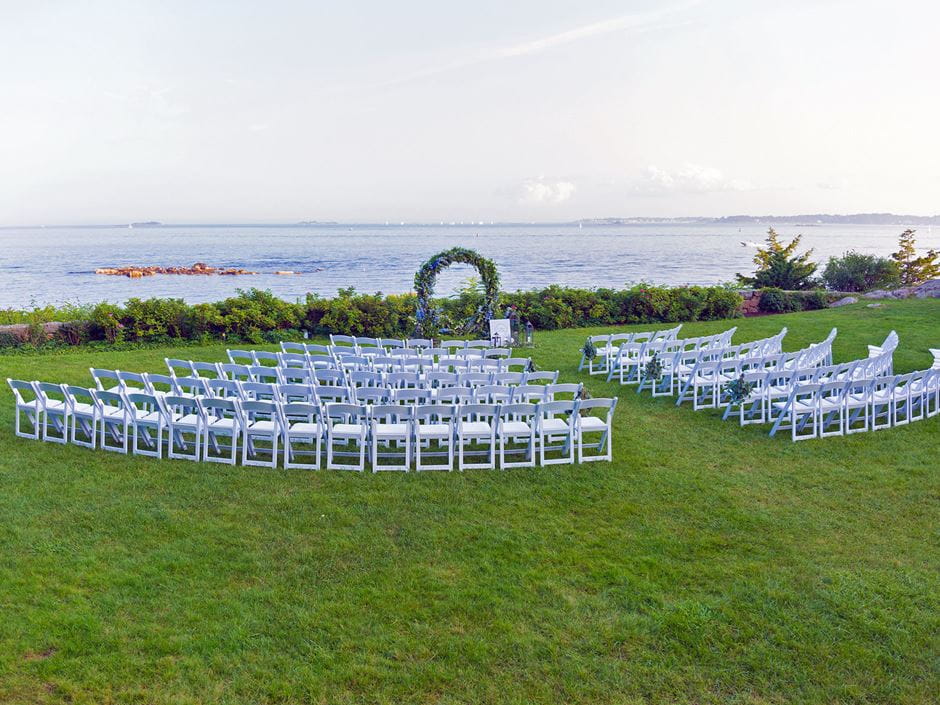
column 199, row 268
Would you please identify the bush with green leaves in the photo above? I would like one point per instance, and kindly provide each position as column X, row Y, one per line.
column 855, row 271
column 257, row 316
column 774, row 300
column 778, row 266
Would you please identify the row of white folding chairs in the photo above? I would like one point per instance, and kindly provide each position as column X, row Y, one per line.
column 821, row 409
column 230, row 370
column 357, row 341
column 678, row 363
column 326, row 356
column 108, row 379
column 686, row 372
column 702, row 379
column 606, row 346
column 136, row 422
column 630, row 358
column 772, row 386
column 356, row 387
column 678, row 358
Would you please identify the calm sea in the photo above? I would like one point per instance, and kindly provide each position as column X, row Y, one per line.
column 55, row 265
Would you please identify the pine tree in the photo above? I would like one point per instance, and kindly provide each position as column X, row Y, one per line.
column 915, row 270
column 779, row 266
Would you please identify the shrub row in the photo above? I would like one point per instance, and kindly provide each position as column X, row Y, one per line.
column 780, row 301
column 258, row 316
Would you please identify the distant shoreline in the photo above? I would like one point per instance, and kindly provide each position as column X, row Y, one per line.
column 803, row 220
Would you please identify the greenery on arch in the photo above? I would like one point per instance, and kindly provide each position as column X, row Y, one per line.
column 429, row 317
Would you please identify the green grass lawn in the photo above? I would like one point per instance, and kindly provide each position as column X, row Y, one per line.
column 707, row 564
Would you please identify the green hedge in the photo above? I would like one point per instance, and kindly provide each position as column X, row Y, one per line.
column 780, row 301
column 258, row 316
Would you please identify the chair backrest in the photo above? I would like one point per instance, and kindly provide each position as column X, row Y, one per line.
column 520, row 363
column 411, row 396
column 267, row 358
column 78, row 395
column 498, row 352
column 518, row 411
column 478, row 411
column 478, row 344
column 493, row 393
column 438, row 380
column 336, row 377
column 371, row 395
column 109, row 399
column 435, row 413
column 300, row 411
column 511, row 378
column 291, row 375
column 260, row 373
column 345, row 413
column 553, row 391
column 176, row 367
column 342, row 340
column 546, row 376
column 161, row 384
column 391, row 413
column 455, row 395
column 296, row 393
column 240, row 357
column 192, row 385
column 223, row 388
column 218, row 407
column 253, row 410
column 288, row 347
column 365, row 378
column 261, row 391
column 101, row 375
column 403, row 380
column 175, row 405
column 392, row 343
column 23, row 391
column 416, row 343
column 454, row 344
column 292, row 359
column 47, row 392
column 529, row 393
column 206, row 370
column 234, row 371
column 132, row 379
column 141, row 402
column 474, row 379
column 550, row 409
column 332, row 394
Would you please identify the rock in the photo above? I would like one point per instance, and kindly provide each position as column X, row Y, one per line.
column 844, row 301
column 285, row 271
column 874, row 306
column 930, row 289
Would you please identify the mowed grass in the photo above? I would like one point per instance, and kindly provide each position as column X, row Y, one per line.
column 707, row 564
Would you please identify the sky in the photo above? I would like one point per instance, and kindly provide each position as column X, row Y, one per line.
column 530, row 110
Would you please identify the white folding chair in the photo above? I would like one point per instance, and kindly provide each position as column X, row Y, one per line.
column 55, row 412
column 587, row 423
column 391, row 426
column 220, row 420
column 112, row 412
column 83, row 416
column 300, row 422
column 476, row 424
column 556, row 426
column 260, row 421
column 434, row 424
column 516, row 426
column 183, row 417
column 27, row 405
column 147, row 421
column 347, row 424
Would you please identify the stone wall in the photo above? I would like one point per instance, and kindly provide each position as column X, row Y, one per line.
column 20, row 331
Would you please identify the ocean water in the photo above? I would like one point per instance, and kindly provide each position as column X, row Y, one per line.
column 56, row 265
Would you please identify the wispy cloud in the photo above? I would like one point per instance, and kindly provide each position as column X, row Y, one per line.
column 540, row 190
column 634, row 22
column 689, row 178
